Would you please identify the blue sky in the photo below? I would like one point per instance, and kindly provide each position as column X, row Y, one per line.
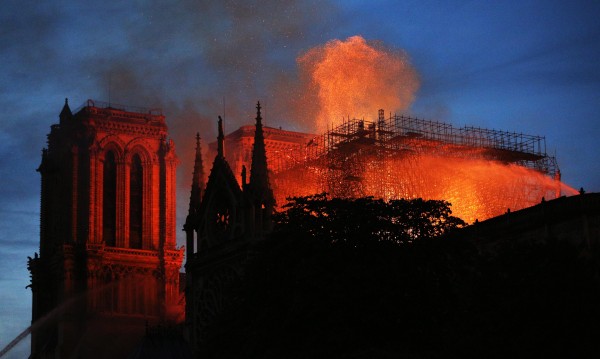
column 524, row 66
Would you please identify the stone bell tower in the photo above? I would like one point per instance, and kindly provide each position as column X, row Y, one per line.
column 108, row 265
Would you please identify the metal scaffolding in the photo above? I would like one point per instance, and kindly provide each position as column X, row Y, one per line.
column 400, row 135
column 406, row 157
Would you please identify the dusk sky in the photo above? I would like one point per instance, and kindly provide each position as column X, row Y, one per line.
column 523, row 66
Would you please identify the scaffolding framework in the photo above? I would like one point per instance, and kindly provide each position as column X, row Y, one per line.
column 392, row 158
column 403, row 134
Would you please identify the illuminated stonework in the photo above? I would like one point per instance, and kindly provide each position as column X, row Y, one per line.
column 108, row 258
column 284, row 148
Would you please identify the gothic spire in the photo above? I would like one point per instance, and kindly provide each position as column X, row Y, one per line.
column 259, row 178
column 220, row 139
column 198, row 178
column 66, row 111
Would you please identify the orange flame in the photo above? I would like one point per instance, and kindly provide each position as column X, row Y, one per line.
column 352, row 77
column 476, row 188
column 355, row 76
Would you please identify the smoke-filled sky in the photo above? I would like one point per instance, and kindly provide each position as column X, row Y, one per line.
column 524, row 66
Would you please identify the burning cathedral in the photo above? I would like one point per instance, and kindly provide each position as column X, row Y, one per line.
column 109, row 267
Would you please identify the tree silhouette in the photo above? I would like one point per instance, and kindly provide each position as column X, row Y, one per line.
column 371, row 279
column 363, row 221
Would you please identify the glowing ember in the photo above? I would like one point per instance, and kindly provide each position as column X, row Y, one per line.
column 354, row 76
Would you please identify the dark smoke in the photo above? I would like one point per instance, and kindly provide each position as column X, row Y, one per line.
column 240, row 52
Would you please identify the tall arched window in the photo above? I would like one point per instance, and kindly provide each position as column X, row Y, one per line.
column 136, row 185
column 109, row 200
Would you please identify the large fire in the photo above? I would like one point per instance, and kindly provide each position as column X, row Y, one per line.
column 476, row 188
column 352, row 77
column 482, row 173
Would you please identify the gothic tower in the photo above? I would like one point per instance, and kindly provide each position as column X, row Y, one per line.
column 108, row 264
column 259, row 190
column 193, row 212
column 221, row 232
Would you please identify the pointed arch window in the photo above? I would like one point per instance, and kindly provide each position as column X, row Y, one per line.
column 136, row 186
column 109, row 200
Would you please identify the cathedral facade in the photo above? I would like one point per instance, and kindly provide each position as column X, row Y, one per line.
column 224, row 219
column 108, row 268
column 108, row 264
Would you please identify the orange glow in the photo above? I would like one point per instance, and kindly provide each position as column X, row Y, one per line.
column 481, row 172
column 352, row 77
column 475, row 170
column 476, row 188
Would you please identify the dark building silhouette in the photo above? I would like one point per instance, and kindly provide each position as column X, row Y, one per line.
column 106, row 279
column 223, row 220
column 574, row 219
column 108, row 264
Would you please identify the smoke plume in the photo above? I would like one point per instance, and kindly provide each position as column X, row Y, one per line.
column 354, row 78
column 200, row 59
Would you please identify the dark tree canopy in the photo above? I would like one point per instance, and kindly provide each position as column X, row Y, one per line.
column 306, row 294
column 363, row 221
